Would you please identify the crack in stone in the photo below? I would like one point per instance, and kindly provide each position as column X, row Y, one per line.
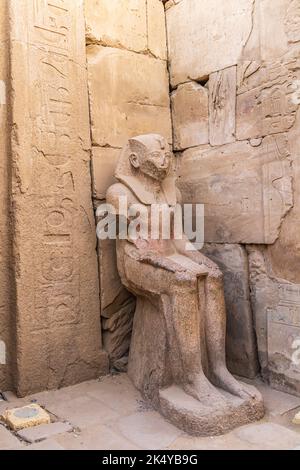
column 253, row 6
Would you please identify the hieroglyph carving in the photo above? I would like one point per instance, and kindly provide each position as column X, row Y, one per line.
column 52, row 189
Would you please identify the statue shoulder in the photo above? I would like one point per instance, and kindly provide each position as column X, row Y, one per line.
column 116, row 191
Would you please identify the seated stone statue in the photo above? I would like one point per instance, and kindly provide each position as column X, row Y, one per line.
column 177, row 354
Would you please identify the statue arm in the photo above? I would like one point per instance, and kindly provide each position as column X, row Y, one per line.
column 143, row 253
column 186, row 248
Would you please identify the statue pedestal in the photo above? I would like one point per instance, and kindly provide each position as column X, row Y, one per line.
column 149, row 369
column 203, row 419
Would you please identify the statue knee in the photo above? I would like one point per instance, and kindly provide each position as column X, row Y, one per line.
column 216, row 275
column 185, row 279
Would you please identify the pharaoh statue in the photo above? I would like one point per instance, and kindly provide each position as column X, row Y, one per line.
column 177, row 353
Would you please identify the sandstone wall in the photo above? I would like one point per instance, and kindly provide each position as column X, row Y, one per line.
column 6, row 287
column 129, row 95
column 57, row 329
column 235, row 70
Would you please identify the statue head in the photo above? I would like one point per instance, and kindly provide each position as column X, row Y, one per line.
column 150, row 154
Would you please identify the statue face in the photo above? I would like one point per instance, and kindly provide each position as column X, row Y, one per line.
column 155, row 161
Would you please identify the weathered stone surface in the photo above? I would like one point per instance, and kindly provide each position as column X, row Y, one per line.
column 117, row 392
column 133, row 92
column 9, row 396
column 48, row 444
column 250, row 189
column 265, row 102
column 276, row 308
column 148, row 430
column 190, row 115
column 25, row 417
column 246, row 188
column 170, row 3
column 185, row 412
column 280, row 31
column 222, row 105
column 136, row 25
column 128, row 95
column 43, row 431
column 284, row 255
column 83, row 411
column 109, row 277
column 195, row 52
column 276, row 300
column 177, row 355
column 7, row 439
column 277, row 403
column 241, row 349
column 104, row 162
column 117, row 23
column 57, row 288
column 117, row 331
column 270, row 435
column 116, row 303
column 157, row 36
column 96, row 437
column 296, row 419
column 5, row 235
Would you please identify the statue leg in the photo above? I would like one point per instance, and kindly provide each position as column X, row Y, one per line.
column 182, row 317
column 215, row 329
column 178, row 302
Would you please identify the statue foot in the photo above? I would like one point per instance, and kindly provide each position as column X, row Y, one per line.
column 222, row 378
column 202, row 390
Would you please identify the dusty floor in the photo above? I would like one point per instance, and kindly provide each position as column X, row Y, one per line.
column 110, row 414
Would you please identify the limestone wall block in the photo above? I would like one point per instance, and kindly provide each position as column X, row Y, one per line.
column 276, row 308
column 190, row 115
column 104, row 162
column 117, row 23
column 156, row 24
column 128, row 95
column 206, row 36
column 246, row 188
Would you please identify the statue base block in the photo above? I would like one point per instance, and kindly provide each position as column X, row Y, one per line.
column 199, row 419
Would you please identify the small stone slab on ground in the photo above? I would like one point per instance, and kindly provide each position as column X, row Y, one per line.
column 269, row 436
column 44, row 431
column 296, row 419
column 277, row 403
column 148, row 430
column 25, row 417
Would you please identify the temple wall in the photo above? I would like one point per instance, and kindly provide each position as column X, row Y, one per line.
column 129, row 95
column 71, row 94
column 234, row 73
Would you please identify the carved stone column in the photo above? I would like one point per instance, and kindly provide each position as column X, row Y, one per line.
column 6, row 287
